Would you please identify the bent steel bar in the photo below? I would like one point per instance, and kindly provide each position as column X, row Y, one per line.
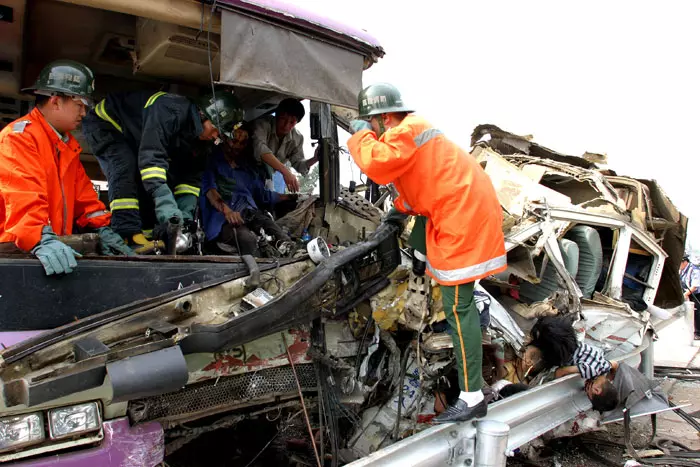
column 300, row 303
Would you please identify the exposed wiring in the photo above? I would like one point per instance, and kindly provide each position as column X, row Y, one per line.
column 370, row 320
column 273, row 276
column 201, row 24
column 301, row 398
column 211, row 71
column 404, row 363
column 279, row 432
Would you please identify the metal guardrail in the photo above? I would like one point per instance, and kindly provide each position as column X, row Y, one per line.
column 529, row 415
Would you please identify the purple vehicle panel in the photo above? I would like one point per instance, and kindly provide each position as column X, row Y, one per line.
column 123, row 446
column 10, row 338
column 289, row 13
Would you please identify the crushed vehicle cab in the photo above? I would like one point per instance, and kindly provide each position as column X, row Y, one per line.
column 132, row 360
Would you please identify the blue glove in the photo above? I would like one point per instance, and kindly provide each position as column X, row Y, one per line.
column 359, row 125
column 112, row 244
column 55, row 256
column 166, row 207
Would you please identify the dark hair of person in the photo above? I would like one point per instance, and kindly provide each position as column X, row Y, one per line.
column 291, row 107
column 556, row 339
column 607, row 400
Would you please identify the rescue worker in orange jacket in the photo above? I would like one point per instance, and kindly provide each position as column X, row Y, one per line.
column 436, row 179
column 43, row 186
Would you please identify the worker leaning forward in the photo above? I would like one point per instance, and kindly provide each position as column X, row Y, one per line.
column 463, row 239
column 147, row 143
column 44, row 189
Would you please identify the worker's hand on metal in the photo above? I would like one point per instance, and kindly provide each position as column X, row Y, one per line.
column 291, row 181
column 112, row 244
column 55, row 256
column 395, row 217
column 359, row 125
column 233, row 217
column 166, row 207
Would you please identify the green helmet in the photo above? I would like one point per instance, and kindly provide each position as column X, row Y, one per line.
column 224, row 111
column 380, row 98
column 64, row 77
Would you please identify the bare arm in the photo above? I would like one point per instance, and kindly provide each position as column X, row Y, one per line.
column 232, row 217
column 565, row 371
column 215, row 199
column 317, row 156
column 289, row 178
column 273, row 162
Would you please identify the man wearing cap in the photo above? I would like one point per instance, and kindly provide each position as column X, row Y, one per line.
column 436, row 180
column 44, row 189
column 146, row 144
column 276, row 141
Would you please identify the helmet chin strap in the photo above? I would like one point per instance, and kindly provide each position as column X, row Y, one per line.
column 380, row 123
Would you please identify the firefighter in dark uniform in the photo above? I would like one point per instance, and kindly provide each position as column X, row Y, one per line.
column 147, row 145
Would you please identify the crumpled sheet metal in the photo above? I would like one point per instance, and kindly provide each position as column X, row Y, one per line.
column 123, row 446
column 397, row 304
column 515, row 189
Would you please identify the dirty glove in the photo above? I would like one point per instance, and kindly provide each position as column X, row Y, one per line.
column 359, row 125
column 112, row 244
column 396, row 218
column 55, row 256
column 166, row 207
column 187, row 204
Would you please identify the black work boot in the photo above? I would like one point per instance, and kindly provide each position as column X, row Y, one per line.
column 461, row 412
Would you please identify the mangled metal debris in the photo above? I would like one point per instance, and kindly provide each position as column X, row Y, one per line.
column 368, row 337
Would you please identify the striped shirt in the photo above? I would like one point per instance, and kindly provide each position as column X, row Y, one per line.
column 591, row 361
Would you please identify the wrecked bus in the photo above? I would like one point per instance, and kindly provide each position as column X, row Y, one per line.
column 137, row 361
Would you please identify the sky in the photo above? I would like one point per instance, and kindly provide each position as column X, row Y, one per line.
column 620, row 78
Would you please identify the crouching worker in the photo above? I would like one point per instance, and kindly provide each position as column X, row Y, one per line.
column 44, row 189
column 235, row 195
column 463, row 236
column 150, row 147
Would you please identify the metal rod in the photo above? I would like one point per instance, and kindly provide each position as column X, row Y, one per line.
column 301, row 397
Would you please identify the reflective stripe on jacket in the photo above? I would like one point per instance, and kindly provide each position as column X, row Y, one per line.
column 437, row 179
column 42, row 182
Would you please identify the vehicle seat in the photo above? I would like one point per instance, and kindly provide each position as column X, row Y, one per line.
column 549, row 283
column 590, row 261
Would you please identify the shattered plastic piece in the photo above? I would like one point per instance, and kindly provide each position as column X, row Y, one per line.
column 416, row 309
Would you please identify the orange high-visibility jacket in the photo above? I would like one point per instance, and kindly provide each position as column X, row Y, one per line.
column 42, row 182
column 435, row 178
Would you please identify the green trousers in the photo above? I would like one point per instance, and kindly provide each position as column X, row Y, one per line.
column 463, row 318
